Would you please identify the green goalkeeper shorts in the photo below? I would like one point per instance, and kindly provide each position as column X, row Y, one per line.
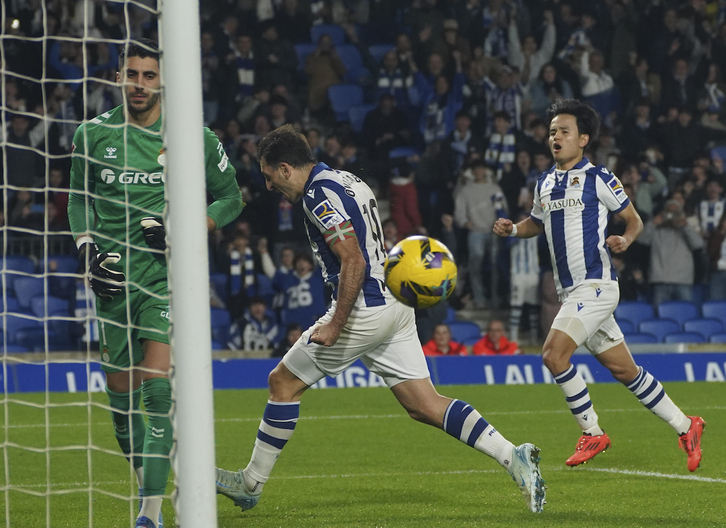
column 149, row 319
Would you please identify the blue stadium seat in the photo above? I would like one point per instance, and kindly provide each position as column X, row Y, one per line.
column 470, row 341
column 378, row 51
column 450, row 315
column 262, row 288
column 634, row 311
column 9, row 305
column 714, row 310
column 12, row 349
column 56, row 306
column 403, row 152
column 34, row 339
column 718, row 338
column 639, row 338
column 659, row 327
column 684, row 337
column 61, row 264
column 337, row 33
column 11, row 264
column 627, row 327
column 12, row 324
column 219, row 282
column 679, row 311
column 463, row 330
column 221, row 321
column 357, row 116
column 342, row 97
column 302, row 51
column 719, row 151
column 355, row 72
column 705, row 327
column 26, row 288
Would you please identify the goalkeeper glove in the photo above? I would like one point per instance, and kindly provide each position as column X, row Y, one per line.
column 154, row 232
column 105, row 282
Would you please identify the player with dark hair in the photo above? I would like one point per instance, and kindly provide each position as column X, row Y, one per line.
column 572, row 203
column 365, row 321
column 115, row 210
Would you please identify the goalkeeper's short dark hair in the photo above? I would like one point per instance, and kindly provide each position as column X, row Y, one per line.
column 285, row 145
column 141, row 48
column 588, row 120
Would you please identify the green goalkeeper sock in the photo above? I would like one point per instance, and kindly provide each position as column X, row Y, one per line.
column 159, row 437
column 130, row 437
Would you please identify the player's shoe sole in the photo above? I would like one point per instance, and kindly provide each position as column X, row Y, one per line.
column 588, row 446
column 525, row 472
column 690, row 442
column 231, row 484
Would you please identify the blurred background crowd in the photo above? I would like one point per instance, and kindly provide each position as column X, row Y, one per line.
column 439, row 105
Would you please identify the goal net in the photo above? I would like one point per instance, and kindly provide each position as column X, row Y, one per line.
column 61, row 461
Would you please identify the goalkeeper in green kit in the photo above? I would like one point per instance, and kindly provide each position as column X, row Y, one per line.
column 115, row 211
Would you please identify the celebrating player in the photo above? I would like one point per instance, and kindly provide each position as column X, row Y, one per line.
column 572, row 203
column 364, row 321
column 115, row 209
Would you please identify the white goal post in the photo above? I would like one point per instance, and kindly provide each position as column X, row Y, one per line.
column 193, row 418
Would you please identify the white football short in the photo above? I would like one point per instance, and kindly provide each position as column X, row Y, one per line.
column 586, row 316
column 383, row 337
column 525, row 290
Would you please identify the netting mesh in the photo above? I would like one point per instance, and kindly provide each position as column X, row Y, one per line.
column 62, row 465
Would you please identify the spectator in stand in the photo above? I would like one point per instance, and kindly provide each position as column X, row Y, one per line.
column 593, row 78
column 502, row 145
column 633, row 286
column 712, row 98
column 243, row 62
column 672, row 243
column 452, row 41
column 505, row 94
column 331, row 154
column 440, row 106
column 357, row 162
column 292, row 334
column 305, row 297
column 385, row 128
column 255, row 330
column 24, row 166
column 712, row 208
column 518, row 180
column 638, row 132
column 524, row 283
column 525, row 56
column 278, row 111
column 404, row 201
column 547, row 88
column 394, row 79
column 717, row 261
column 679, row 88
column 461, row 143
column 325, row 69
column 606, row 151
column 213, row 78
column 477, row 206
column 312, row 134
column 639, row 84
column 649, row 185
column 534, row 137
column 390, row 234
column 275, row 59
column 441, row 343
column 495, row 342
column 292, row 22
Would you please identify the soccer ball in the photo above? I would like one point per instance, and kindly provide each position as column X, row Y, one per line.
column 420, row 271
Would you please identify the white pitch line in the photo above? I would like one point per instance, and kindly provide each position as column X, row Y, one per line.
column 384, row 416
column 636, row 473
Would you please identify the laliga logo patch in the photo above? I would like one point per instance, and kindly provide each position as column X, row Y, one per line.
column 327, row 215
column 615, row 186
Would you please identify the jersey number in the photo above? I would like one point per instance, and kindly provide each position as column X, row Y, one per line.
column 375, row 225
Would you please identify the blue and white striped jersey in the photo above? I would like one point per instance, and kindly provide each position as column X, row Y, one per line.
column 336, row 204
column 574, row 207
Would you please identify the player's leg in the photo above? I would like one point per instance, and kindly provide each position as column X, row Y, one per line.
column 287, row 382
column 156, row 391
column 652, row 395
column 460, row 420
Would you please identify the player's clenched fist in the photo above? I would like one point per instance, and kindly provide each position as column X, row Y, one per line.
column 617, row 244
column 503, row 227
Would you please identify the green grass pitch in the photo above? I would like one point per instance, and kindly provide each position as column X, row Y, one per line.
column 356, row 459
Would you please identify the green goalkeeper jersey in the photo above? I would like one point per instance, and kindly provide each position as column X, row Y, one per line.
column 117, row 178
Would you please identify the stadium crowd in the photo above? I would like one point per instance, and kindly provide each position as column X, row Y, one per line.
column 440, row 106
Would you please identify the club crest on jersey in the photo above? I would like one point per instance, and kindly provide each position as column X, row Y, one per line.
column 161, row 160
column 575, row 182
column 110, row 153
column 326, row 213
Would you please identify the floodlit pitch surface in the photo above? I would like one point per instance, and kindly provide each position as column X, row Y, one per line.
column 356, row 459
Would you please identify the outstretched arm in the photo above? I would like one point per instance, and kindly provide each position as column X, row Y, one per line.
column 527, row 228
